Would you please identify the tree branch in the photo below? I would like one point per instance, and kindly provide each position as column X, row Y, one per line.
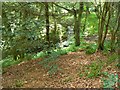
column 71, row 11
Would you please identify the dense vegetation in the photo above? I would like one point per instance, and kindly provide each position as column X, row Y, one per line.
column 48, row 30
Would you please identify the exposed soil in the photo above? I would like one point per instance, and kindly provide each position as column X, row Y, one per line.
column 31, row 74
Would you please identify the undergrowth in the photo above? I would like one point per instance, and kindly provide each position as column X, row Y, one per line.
column 109, row 80
column 51, row 58
column 95, row 68
column 89, row 48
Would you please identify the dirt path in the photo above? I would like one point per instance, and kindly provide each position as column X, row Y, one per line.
column 32, row 74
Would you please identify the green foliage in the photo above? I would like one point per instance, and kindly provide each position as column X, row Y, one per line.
column 8, row 62
column 48, row 62
column 91, row 49
column 107, row 45
column 53, row 69
column 19, row 83
column 110, row 81
column 50, row 59
column 91, row 26
column 80, row 74
column 94, row 69
column 112, row 58
column 40, row 55
column 118, row 65
column 54, row 54
column 72, row 48
column 27, row 57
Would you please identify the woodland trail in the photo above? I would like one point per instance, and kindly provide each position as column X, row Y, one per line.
column 31, row 74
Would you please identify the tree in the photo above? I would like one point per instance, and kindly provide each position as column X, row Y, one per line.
column 77, row 19
column 77, row 23
column 102, row 15
column 114, row 24
column 47, row 23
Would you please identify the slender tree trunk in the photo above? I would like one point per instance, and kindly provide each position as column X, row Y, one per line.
column 55, row 29
column 100, row 33
column 85, row 22
column 87, row 11
column 101, row 27
column 55, row 25
column 106, row 31
column 77, row 25
column 118, row 41
column 76, row 30
column 47, row 23
column 113, row 33
column 113, row 42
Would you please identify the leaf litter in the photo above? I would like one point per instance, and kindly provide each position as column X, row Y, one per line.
column 33, row 75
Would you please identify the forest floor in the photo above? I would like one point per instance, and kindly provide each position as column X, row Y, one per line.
column 31, row 74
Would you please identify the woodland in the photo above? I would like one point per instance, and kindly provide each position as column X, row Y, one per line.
column 60, row 44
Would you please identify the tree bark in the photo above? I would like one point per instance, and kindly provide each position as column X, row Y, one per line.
column 77, row 25
column 101, row 26
column 106, row 31
column 47, row 23
column 76, row 30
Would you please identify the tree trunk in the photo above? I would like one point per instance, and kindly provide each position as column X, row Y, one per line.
column 112, row 42
column 106, row 31
column 101, row 26
column 118, row 37
column 55, row 29
column 76, row 30
column 113, row 33
column 47, row 23
column 77, row 24
column 87, row 12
